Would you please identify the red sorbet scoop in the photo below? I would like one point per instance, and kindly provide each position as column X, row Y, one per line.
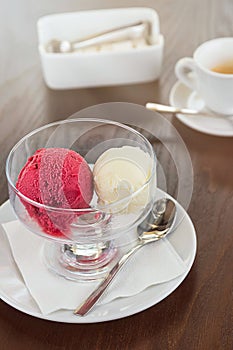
column 56, row 177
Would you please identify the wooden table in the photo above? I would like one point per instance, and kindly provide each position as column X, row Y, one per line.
column 198, row 315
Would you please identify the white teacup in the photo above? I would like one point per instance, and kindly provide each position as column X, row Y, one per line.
column 216, row 88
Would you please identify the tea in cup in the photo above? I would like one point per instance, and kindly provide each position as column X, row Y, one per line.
column 212, row 78
column 224, row 68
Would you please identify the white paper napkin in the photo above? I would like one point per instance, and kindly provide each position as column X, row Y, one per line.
column 153, row 264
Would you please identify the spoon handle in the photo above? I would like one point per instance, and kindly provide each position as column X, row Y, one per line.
column 135, row 31
column 170, row 109
column 86, row 306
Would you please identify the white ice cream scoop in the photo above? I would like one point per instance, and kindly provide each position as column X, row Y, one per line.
column 119, row 173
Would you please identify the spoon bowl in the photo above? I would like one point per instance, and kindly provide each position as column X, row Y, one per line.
column 159, row 220
column 156, row 225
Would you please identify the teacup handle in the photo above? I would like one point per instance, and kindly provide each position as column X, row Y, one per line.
column 182, row 69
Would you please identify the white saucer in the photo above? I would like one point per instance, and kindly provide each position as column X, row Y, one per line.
column 14, row 292
column 182, row 96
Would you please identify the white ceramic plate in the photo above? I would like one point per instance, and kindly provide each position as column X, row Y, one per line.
column 14, row 292
column 182, row 96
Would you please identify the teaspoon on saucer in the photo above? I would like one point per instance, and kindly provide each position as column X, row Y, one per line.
column 187, row 111
column 170, row 109
column 155, row 226
column 129, row 32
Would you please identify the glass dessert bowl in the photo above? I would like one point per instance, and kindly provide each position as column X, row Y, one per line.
column 82, row 184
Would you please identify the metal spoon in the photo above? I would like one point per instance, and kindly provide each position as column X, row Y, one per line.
column 156, row 226
column 171, row 109
column 133, row 31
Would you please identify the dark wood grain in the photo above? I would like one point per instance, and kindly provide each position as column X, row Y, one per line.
column 199, row 314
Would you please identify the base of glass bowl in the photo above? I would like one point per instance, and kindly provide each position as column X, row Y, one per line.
column 80, row 262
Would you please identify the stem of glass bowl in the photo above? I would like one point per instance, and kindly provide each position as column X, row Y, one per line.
column 80, row 262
